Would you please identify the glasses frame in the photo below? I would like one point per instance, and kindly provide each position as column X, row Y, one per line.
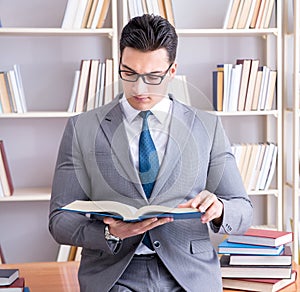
column 143, row 76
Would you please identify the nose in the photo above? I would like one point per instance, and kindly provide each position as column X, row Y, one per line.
column 139, row 86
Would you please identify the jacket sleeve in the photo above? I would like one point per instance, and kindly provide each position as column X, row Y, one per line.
column 225, row 181
column 71, row 183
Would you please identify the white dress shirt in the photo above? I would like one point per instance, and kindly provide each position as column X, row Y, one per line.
column 159, row 124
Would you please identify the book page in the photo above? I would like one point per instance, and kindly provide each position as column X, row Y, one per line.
column 112, row 207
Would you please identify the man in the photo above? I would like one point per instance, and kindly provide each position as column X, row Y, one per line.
column 190, row 165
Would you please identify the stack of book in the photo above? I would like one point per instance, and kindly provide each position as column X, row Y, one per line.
column 256, row 163
column 6, row 184
column 10, row 280
column 93, row 85
column 85, row 14
column 258, row 260
column 242, row 14
column 12, row 97
column 163, row 8
column 243, row 86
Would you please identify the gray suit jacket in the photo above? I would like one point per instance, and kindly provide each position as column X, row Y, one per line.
column 94, row 163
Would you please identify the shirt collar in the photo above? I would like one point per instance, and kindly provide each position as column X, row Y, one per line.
column 160, row 110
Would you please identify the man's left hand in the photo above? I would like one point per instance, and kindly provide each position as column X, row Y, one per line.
column 206, row 202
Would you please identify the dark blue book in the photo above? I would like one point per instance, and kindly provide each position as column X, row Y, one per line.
column 227, row 247
column 129, row 213
column 8, row 276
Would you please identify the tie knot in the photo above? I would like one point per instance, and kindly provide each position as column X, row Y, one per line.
column 145, row 114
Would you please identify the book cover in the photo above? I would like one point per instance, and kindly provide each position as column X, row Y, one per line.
column 92, row 84
column 81, row 97
column 129, row 213
column 284, row 258
column 92, row 14
column 97, row 14
column 8, row 276
column 244, row 271
column 255, row 14
column 4, row 97
column 70, row 13
column 109, row 84
column 235, row 80
column 169, row 11
column 238, row 14
column 231, row 14
column 260, row 13
column 251, row 165
column 269, row 10
column 103, row 13
column 271, row 90
column 226, row 247
column 251, row 84
column 63, row 253
column 271, row 147
column 266, row 237
column 246, row 65
column 5, row 174
column 178, row 86
column 218, row 90
column 244, row 14
column 2, row 259
column 86, row 14
column 261, row 285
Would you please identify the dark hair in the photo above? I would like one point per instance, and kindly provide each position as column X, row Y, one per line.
column 149, row 33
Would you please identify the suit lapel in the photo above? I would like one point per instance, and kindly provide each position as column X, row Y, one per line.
column 180, row 130
column 114, row 130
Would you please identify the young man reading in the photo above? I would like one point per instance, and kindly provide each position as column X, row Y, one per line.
column 147, row 148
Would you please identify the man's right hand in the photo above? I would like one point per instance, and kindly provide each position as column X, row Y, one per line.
column 123, row 229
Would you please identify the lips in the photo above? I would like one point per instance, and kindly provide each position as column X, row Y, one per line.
column 140, row 98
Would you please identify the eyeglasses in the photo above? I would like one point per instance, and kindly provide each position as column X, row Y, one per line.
column 148, row 78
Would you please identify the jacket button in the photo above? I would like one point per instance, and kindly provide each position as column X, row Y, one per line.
column 156, row 244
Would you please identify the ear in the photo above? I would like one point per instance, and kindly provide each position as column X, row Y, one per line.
column 173, row 70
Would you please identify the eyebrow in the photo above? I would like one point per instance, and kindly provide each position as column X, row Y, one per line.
column 130, row 69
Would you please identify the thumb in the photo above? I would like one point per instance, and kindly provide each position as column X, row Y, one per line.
column 108, row 220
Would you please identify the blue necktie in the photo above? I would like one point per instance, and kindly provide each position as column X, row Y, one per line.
column 148, row 158
column 148, row 163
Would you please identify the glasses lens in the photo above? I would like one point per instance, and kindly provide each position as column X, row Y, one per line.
column 153, row 79
column 129, row 76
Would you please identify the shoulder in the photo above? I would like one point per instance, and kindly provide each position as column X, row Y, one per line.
column 201, row 116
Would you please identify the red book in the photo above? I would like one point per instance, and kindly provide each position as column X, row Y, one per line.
column 265, row 285
column 265, row 237
column 16, row 286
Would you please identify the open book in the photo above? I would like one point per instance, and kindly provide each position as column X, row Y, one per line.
column 129, row 213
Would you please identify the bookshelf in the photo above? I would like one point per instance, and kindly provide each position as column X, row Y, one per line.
column 204, row 43
column 48, row 55
column 38, row 42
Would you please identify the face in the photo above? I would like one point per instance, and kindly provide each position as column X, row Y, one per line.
column 143, row 96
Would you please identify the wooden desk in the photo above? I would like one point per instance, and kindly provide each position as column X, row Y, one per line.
column 62, row 277
column 49, row 277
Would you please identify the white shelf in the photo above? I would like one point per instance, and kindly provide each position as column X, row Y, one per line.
column 246, row 113
column 274, row 192
column 55, row 31
column 40, row 114
column 28, row 194
column 217, row 32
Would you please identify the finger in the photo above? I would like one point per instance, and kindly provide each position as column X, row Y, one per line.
column 207, row 202
column 186, row 204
